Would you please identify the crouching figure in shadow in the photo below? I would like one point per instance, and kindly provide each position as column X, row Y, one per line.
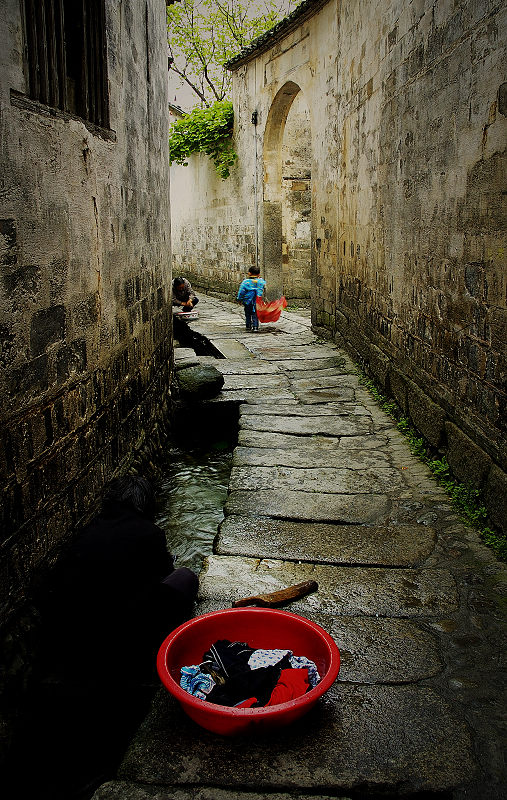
column 117, row 592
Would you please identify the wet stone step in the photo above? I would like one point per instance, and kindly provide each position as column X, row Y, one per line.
column 373, row 591
column 310, row 454
column 272, row 397
column 325, row 381
column 382, row 737
column 302, row 444
column 185, row 357
column 277, row 352
column 325, row 425
column 317, row 506
column 231, row 348
column 313, row 396
column 335, row 363
column 327, row 410
column 377, row 480
column 373, row 650
column 400, row 545
column 247, row 381
column 228, row 367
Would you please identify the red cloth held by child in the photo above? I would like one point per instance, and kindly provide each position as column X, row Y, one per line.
column 270, row 312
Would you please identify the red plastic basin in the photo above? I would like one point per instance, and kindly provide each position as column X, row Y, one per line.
column 259, row 628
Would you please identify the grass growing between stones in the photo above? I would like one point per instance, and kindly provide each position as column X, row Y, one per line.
column 466, row 500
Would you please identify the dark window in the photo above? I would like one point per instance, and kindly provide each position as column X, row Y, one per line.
column 66, row 56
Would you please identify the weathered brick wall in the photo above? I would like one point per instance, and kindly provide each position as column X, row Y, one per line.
column 85, row 333
column 421, row 272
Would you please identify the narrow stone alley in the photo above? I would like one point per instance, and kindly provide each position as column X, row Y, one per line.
column 324, row 487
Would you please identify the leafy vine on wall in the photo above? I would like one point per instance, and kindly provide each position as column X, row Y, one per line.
column 205, row 130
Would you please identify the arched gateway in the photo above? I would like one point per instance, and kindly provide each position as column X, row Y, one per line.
column 286, row 197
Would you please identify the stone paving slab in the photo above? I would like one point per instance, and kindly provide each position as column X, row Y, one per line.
column 382, row 650
column 185, row 357
column 231, row 348
column 254, row 397
column 415, row 742
column 328, row 410
column 280, row 353
column 264, row 382
column 320, row 425
column 122, row 790
column 397, row 545
column 302, row 367
column 316, row 506
column 378, row 480
column 316, row 396
column 324, row 381
column 326, row 444
column 342, row 590
column 234, row 367
column 309, row 454
column 373, row 650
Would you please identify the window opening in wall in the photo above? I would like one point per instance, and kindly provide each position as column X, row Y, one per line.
column 66, row 57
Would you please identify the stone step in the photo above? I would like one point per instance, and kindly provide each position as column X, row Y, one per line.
column 377, row 480
column 312, row 444
column 310, row 454
column 343, row 591
column 249, row 381
column 336, row 363
column 233, row 367
column 279, row 352
column 332, row 409
column 379, row 737
column 303, row 425
column 318, row 506
column 397, row 546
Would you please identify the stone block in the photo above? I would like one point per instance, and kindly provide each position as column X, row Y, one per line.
column 199, row 382
column 8, row 244
column 397, row 386
column 33, row 377
column 468, row 462
column 427, row 416
column 496, row 497
column 71, row 358
column 357, row 736
column 400, row 545
column 47, row 327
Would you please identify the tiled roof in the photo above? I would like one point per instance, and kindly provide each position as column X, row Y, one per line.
column 304, row 10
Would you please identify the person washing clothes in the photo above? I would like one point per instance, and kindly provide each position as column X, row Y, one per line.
column 250, row 289
column 184, row 296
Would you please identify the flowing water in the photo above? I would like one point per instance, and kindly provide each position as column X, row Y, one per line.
column 191, row 500
column 68, row 758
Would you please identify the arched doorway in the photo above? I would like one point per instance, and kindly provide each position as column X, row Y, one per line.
column 286, row 232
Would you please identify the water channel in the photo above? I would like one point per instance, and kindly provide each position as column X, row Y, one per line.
column 68, row 758
column 191, row 500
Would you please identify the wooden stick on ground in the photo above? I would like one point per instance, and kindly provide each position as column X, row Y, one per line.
column 274, row 599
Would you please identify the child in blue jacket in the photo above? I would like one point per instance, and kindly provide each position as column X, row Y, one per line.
column 250, row 289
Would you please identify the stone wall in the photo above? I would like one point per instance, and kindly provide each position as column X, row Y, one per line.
column 297, row 202
column 407, row 106
column 421, row 272
column 85, row 324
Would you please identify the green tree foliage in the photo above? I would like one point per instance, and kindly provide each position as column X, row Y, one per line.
column 205, row 130
column 204, row 34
